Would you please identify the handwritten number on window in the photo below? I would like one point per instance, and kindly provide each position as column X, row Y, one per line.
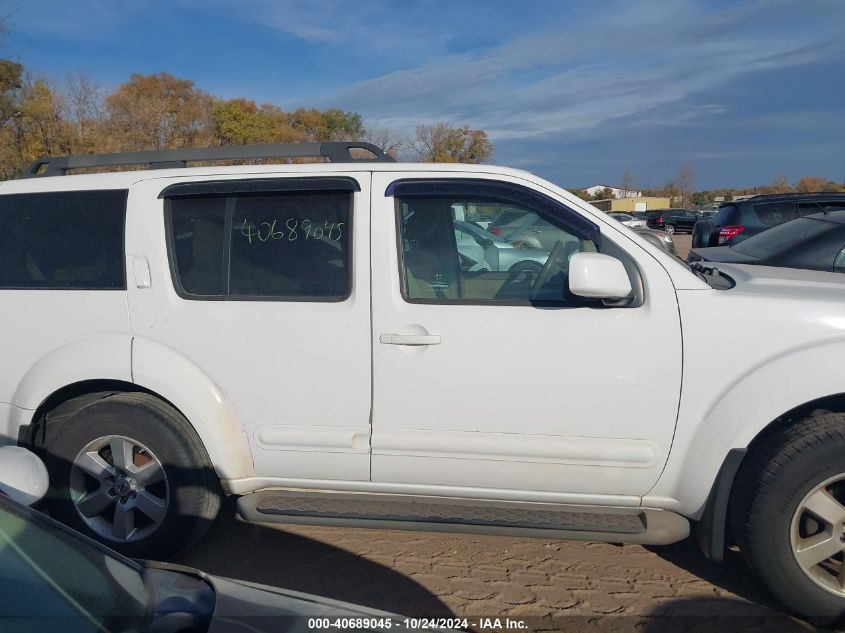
column 267, row 230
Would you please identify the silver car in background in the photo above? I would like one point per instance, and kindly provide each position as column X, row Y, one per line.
column 481, row 250
column 629, row 220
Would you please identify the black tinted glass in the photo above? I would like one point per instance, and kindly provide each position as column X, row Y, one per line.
column 725, row 215
column 197, row 226
column 286, row 246
column 291, row 245
column 783, row 238
column 774, row 213
column 67, row 240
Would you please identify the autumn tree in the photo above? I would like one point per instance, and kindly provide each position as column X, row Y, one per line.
column 11, row 74
column 313, row 125
column 581, row 193
column 242, row 122
column 809, row 184
column 443, row 143
column 40, row 122
column 157, row 112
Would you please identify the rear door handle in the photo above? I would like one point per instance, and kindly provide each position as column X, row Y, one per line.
column 409, row 339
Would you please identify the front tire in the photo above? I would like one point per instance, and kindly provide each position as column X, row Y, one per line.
column 129, row 471
column 789, row 515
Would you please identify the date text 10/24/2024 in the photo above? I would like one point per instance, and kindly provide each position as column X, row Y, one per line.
column 293, row 229
column 386, row 623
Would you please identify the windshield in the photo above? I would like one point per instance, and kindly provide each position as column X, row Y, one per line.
column 53, row 581
column 782, row 238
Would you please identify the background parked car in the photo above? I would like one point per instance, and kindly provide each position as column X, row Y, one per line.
column 740, row 219
column 629, row 220
column 815, row 242
column 659, row 238
column 490, row 252
column 673, row 220
column 527, row 229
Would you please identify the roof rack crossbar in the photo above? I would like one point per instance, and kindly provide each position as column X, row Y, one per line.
column 336, row 152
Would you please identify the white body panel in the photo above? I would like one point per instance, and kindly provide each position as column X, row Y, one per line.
column 516, row 397
column 751, row 354
column 516, row 403
column 53, row 338
column 296, row 375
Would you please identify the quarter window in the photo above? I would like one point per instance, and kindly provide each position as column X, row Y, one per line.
column 290, row 245
column 71, row 240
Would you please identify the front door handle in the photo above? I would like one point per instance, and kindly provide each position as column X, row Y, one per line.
column 409, row 339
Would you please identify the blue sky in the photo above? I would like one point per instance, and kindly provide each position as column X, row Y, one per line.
column 574, row 91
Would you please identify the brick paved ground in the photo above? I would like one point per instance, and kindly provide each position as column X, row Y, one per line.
column 555, row 585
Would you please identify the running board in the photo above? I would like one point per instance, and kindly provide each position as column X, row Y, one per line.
column 474, row 516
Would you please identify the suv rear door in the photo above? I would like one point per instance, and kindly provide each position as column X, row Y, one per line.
column 252, row 281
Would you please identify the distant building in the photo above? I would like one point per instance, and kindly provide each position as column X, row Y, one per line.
column 640, row 203
column 617, row 192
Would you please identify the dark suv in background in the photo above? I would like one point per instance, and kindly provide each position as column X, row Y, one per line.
column 672, row 220
column 740, row 219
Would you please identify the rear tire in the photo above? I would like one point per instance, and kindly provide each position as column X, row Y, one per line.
column 129, row 471
column 670, row 229
column 795, row 472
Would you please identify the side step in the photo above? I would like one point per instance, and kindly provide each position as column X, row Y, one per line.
column 448, row 514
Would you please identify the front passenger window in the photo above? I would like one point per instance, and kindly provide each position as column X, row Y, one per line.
column 522, row 257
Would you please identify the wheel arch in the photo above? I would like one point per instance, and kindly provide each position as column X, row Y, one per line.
column 711, row 530
column 173, row 379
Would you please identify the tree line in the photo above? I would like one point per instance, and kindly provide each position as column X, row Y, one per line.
column 158, row 111
column 681, row 188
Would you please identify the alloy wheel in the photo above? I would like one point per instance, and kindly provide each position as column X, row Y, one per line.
column 817, row 534
column 119, row 488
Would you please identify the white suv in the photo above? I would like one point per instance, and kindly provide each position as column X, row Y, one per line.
column 309, row 338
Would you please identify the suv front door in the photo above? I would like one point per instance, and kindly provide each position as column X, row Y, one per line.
column 488, row 381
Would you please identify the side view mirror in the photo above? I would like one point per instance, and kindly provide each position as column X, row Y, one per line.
column 23, row 476
column 598, row 276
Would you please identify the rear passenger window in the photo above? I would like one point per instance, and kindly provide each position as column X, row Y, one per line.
column 71, row 240
column 774, row 213
column 286, row 246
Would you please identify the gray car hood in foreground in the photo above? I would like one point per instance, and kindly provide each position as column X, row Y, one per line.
column 245, row 607
column 721, row 254
column 793, row 283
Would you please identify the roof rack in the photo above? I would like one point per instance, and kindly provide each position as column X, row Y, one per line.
column 337, row 152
